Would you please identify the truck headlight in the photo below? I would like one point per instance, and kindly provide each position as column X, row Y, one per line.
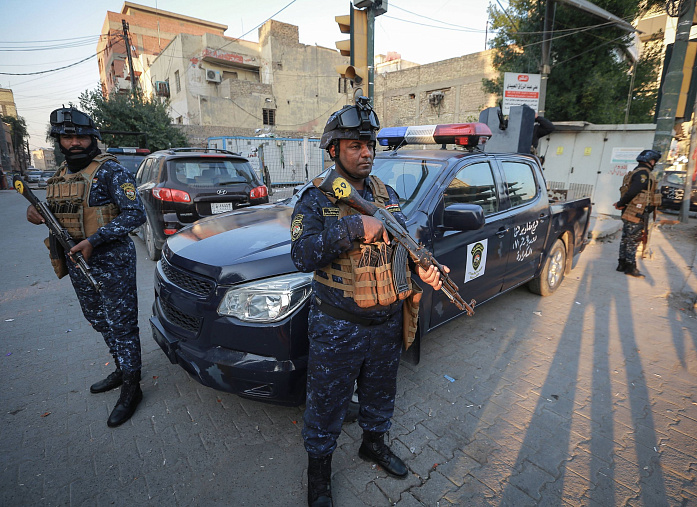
column 268, row 300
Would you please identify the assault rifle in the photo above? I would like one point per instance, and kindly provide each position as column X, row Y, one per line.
column 646, row 234
column 57, row 230
column 342, row 190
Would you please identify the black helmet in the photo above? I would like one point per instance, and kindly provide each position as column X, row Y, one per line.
column 351, row 122
column 648, row 155
column 70, row 121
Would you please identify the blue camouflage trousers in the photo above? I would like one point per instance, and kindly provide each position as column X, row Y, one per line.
column 631, row 237
column 113, row 311
column 342, row 352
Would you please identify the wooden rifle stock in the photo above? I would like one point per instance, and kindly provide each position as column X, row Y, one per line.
column 333, row 184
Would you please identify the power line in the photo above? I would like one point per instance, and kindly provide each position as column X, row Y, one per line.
column 58, row 68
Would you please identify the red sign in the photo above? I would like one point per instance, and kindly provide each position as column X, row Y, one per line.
column 523, row 77
column 512, row 94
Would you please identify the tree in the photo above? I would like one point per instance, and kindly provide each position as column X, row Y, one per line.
column 19, row 134
column 124, row 112
column 590, row 74
column 57, row 153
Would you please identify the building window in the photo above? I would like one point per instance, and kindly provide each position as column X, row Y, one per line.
column 269, row 116
column 177, row 83
column 180, row 120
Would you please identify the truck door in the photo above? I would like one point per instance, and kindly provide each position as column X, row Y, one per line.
column 530, row 217
column 477, row 259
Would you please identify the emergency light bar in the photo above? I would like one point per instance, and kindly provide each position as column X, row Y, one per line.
column 128, row 151
column 462, row 134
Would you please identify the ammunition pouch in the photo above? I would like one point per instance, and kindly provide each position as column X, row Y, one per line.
column 57, row 255
column 410, row 318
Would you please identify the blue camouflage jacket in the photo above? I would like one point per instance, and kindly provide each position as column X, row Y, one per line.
column 319, row 236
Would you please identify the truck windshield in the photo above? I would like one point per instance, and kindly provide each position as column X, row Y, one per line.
column 411, row 178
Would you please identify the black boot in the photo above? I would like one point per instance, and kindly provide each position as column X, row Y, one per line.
column 113, row 381
column 632, row 270
column 319, row 481
column 621, row 265
column 131, row 396
column 374, row 449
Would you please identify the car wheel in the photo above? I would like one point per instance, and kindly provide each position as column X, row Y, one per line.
column 153, row 252
column 553, row 273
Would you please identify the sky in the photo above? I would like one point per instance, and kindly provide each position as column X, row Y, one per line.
column 39, row 35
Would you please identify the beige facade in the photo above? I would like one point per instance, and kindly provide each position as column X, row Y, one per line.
column 449, row 91
column 44, row 159
column 7, row 103
column 276, row 85
column 150, row 30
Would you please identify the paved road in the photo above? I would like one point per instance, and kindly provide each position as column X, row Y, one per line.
column 582, row 398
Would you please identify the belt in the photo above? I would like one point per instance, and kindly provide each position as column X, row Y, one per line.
column 341, row 314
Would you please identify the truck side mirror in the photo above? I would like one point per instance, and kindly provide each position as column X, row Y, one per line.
column 463, row 217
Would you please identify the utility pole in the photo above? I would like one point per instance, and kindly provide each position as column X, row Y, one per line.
column 546, row 50
column 670, row 93
column 687, row 194
column 130, row 60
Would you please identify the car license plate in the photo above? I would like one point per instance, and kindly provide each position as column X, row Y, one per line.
column 220, row 207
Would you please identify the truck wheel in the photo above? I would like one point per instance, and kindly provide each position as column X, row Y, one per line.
column 553, row 273
column 153, row 252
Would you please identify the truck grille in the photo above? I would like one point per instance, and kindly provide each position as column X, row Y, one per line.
column 176, row 316
column 186, row 281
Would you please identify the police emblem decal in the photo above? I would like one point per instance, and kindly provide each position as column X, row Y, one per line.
column 296, row 227
column 477, row 255
column 129, row 190
column 643, row 179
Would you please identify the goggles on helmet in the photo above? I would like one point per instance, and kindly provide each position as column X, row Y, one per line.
column 359, row 117
column 70, row 116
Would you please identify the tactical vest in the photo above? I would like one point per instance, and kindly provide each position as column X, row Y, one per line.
column 365, row 271
column 68, row 197
column 640, row 203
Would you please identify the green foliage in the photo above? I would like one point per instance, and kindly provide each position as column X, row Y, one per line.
column 18, row 129
column 590, row 75
column 58, row 155
column 124, row 112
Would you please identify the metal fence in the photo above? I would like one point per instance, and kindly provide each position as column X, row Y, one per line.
column 279, row 162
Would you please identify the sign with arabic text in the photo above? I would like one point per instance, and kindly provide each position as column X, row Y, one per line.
column 519, row 89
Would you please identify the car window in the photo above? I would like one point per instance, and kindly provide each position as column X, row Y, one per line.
column 206, row 172
column 130, row 162
column 473, row 184
column 410, row 178
column 676, row 178
column 141, row 175
column 521, row 182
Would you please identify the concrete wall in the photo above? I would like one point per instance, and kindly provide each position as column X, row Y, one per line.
column 402, row 97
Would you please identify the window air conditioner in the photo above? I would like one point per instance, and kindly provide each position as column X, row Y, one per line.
column 213, row 76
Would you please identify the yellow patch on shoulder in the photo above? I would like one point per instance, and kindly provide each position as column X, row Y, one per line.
column 296, row 227
column 129, row 190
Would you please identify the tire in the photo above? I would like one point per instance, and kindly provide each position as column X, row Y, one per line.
column 149, row 237
column 553, row 273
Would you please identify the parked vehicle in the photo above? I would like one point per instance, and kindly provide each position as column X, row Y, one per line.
column 43, row 179
column 32, row 177
column 231, row 308
column 130, row 158
column 181, row 185
column 672, row 187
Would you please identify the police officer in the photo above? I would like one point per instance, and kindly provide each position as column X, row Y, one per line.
column 351, row 338
column 636, row 202
column 95, row 198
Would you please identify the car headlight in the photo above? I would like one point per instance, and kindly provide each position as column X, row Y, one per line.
column 268, row 300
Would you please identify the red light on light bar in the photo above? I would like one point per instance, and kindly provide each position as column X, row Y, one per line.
column 463, row 134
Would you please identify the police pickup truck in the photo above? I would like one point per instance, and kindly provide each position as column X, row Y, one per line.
column 231, row 308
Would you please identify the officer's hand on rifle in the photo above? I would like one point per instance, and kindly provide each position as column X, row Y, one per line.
column 618, row 207
column 85, row 247
column 431, row 276
column 33, row 216
column 373, row 230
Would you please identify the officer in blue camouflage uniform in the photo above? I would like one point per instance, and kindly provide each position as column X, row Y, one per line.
column 636, row 183
column 347, row 342
column 109, row 251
